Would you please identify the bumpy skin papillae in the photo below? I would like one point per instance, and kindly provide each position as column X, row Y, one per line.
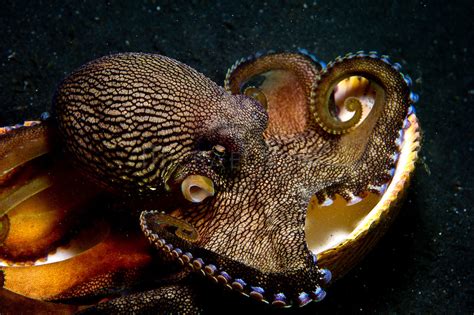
column 131, row 119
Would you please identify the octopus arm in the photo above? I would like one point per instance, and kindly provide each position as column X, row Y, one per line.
column 180, row 299
column 363, row 148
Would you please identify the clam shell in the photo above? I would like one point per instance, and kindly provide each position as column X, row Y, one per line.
column 347, row 253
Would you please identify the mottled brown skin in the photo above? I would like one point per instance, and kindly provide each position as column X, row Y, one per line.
column 138, row 124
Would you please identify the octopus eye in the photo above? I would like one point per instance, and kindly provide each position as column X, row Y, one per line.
column 257, row 95
column 218, row 150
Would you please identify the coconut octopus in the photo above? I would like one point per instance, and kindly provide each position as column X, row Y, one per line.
column 292, row 168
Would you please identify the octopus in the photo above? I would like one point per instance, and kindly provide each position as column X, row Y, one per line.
column 147, row 169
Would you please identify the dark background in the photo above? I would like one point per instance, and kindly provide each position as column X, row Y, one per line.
column 425, row 262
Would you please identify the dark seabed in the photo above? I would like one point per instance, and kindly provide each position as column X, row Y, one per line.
column 425, row 263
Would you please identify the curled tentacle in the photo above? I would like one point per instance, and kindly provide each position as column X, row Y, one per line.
column 366, row 148
column 239, row 246
column 391, row 90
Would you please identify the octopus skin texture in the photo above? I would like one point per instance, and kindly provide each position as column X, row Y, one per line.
column 220, row 179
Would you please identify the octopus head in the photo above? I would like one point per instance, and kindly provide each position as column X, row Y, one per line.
column 146, row 125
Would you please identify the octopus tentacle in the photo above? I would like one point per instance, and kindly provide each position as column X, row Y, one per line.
column 180, row 299
column 257, row 94
column 284, row 91
column 395, row 89
column 367, row 149
column 196, row 188
column 302, row 64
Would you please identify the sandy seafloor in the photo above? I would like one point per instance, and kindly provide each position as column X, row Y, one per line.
column 425, row 262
